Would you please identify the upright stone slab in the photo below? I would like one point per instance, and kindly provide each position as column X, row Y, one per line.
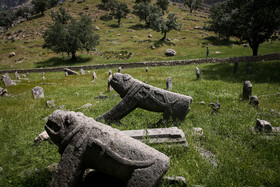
column 110, row 72
column 247, row 90
column 168, row 83
column 147, row 69
column 254, row 101
column 17, row 75
column 84, row 143
column 109, row 87
column 197, row 73
column 37, row 92
column 120, row 70
column 7, row 80
column 70, row 72
column 3, row 92
column 94, row 77
column 138, row 94
column 82, row 71
column 172, row 135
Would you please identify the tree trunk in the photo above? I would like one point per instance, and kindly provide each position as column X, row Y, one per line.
column 164, row 36
column 255, row 50
column 73, row 55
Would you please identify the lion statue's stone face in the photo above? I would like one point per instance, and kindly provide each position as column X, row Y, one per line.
column 121, row 83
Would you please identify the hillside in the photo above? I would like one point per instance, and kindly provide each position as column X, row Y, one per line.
column 127, row 43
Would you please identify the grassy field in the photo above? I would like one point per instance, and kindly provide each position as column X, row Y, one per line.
column 133, row 39
column 243, row 159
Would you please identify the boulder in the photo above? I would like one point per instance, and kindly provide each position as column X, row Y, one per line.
column 170, row 52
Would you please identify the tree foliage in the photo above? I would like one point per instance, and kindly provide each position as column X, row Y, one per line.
column 142, row 1
column 121, row 12
column 40, row 6
column 6, row 19
column 164, row 26
column 252, row 21
column 70, row 36
column 193, row 4
column 23, row 12
column 146, row 12
column 163, row 4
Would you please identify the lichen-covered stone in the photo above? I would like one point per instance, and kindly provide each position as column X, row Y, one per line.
column 37, row 92
column 84, row 143
column 138, row 94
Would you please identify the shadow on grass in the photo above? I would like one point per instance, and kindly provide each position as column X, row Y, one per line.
column 35, row 17
column 114, row 26
column 262, row 72
column 160, row 43
column 138, row 27
column 216, row 41
column 61, row 61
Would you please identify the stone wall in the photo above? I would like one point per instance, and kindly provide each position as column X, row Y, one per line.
column 269, row 57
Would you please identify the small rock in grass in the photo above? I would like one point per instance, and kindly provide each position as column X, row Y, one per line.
column 37, row 92
column 197, row 131
column 43, row 136
column 50, row 104
column 254, row 101
column 88, row 105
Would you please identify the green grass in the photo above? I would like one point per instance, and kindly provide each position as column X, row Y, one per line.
column 136, row 42
column 244, row 159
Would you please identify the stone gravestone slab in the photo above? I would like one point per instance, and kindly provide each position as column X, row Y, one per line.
column 265, row 127
column 120, row 70
column 3, row 92
column 254, row 101
column 171, row 135
column 82, row 71
column 110, row 72
column 109, row 88
column 247, row 90
column 17, row 75
column 197, row 73
column 84, row 143
column 168, row 83
column 37, row 92
column 7, row 80
column 70, row 72
column 147, row 69
column 94, row 77
column 138, row 94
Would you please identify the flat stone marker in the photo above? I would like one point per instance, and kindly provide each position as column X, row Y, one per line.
column 158, row 136
column 178, row 181
column 37, row 92
column 168, row 83
column 7, row 80
column 70, row 72
column 247, row 90
column 87, row 144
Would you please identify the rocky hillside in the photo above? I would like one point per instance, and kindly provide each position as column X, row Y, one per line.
column 6, row 4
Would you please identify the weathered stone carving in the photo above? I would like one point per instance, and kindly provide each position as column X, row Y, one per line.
column 138, row 94
column 84, row 143
column 168, row 83
column 37, row 92
column 247, row 90
column 7, row 80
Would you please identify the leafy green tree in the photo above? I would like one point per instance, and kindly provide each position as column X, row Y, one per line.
column 121, row 12
column 52, row 3
column 40, row 6
column 193, row 4
column 252, row 21
column 163, row 4
column 145, row 12
column 23, row 12
column 164, row 26
column 61, row 16
column 6, row 19
column 71, row 37
column 112, row 5
column 142, row 1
